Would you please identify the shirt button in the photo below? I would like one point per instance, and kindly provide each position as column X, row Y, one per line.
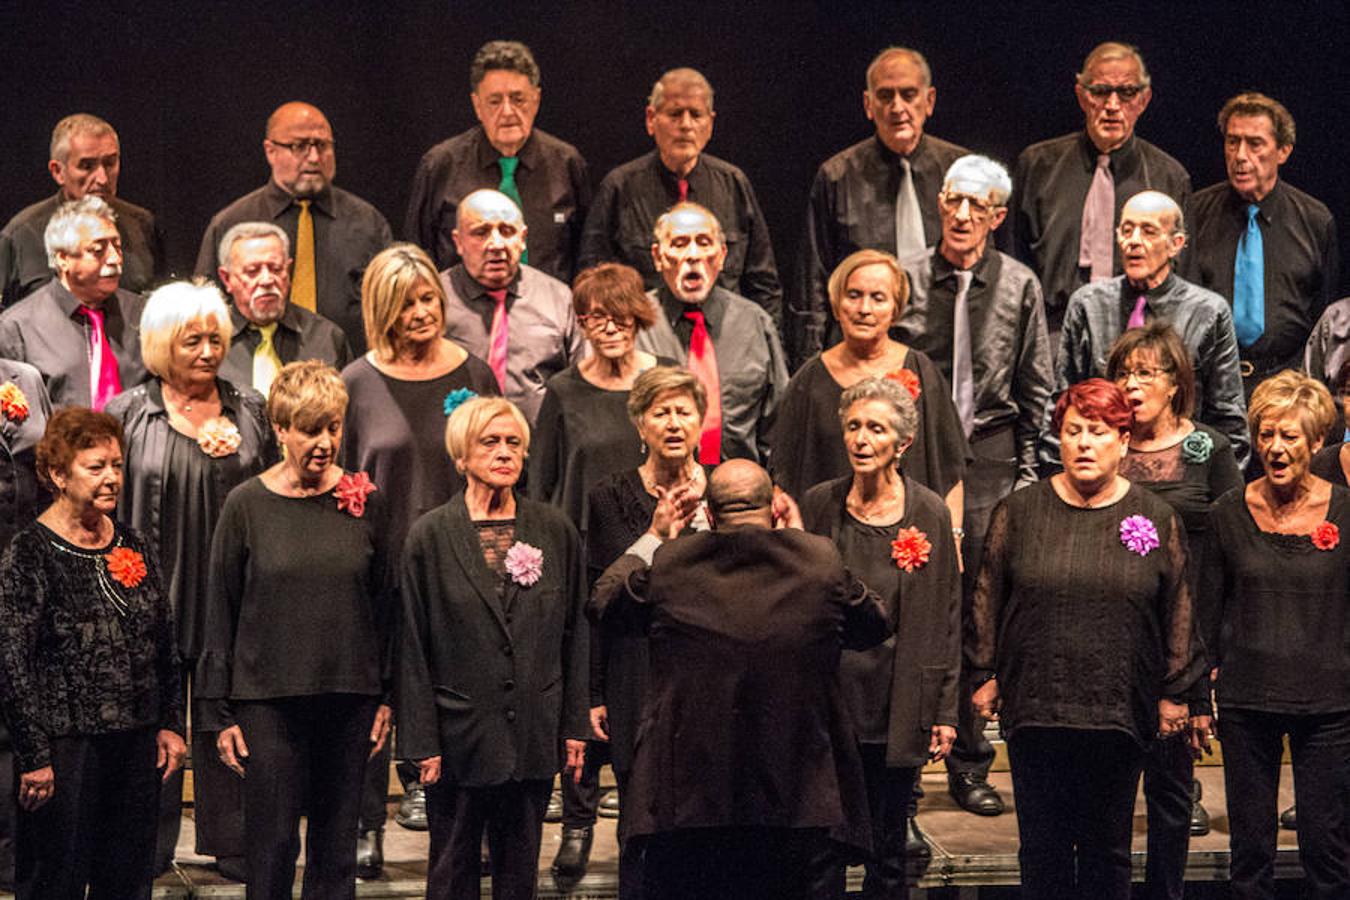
column 509, row 685
column 510, row 715
column 507, row 650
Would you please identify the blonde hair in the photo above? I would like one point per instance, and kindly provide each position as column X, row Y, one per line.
column 306, row 395
column 171, row 309
column 469, row 419
column 1291, row 391
column 388, row 280
column 660, row 380
column 860, row 259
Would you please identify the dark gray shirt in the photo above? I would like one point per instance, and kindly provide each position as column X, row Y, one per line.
column 1098, row 314
column 46, row 332
column 1328, row 346
column 300, row 335
column 348, row 231
column 1011, row 357
column 21, row 498
column 751, row 366
column 554, row 186
column 852, row 207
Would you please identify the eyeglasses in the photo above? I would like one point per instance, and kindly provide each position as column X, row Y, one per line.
column 1126, row 92
column 518, row 99
column 300, row 149
column 602, row 321
column 979, row 208
column 1141, row 374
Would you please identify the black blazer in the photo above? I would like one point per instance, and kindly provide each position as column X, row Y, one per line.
column 491, row 684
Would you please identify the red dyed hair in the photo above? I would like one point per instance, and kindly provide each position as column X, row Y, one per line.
column 1095, row 398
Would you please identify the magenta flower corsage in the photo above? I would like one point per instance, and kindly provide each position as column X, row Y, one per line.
column 1139, row 535
column 524, row 563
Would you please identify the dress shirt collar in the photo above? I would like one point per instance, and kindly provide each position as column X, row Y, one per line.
column 471, row 291
column 278, row 201
column 1158, row 297
column 289, row 320
column 670, row 179
column 68, row 303
column 714, row 307
column 943, row 268
column 892, row 159
column 488, row 155
column 1124, row 159
column 1269, row 207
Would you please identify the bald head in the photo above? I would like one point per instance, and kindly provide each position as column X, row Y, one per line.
column 1150, row 236
column 299, row 148
column 490, row 236
column 1154, row 203
column 740, row 494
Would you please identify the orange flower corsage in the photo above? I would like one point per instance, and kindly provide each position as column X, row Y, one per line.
column 910, row 549
column 908, row 380
column 126, row 566
column 13, row 404
column 1326, row 536
column 219, row 437
column 352, row 490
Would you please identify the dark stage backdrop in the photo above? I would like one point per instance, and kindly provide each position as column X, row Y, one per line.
column 189, row 85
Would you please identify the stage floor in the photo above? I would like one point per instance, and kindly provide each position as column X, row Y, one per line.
column 968, row 852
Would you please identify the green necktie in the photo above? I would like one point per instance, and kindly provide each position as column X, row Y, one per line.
column 508, row 187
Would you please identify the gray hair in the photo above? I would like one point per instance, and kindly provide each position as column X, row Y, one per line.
column 79, row 123
column 925, row 72
column 904, row 417
column 683, row 76
column 1114, row 50
column 663, row 221
column 173, row 307
column 63, row 228
column 511, row 56
column 247, row 231
column 992, row 178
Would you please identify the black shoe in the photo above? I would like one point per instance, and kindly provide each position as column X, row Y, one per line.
column 1199, row 817
column 412, row 809
column 916, row 842
column 1289, row 820
column 233, row 868
column 974, row 794
column 554, row 813
column 609, row 806
column 574, row 854
column 370, row 853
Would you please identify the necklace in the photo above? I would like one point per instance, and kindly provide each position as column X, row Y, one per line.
column 649, row 480
column 882, row 508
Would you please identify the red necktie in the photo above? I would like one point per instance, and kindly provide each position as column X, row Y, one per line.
column 104, row 380
column 684, row 189
column 498, row 339
column 703, row 363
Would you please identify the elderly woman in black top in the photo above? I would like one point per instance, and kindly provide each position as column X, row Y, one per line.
column 896, row 535
column 1276, row 607
column 493, row 664
column 295, row 652
column 88, row 676
column 1190, row 465
column 1082, row 638
column 190, row 438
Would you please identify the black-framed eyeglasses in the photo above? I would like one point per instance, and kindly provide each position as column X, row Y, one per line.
column 1141, row 374
column 601, row 321
column 300, row 149
column 1126, row 92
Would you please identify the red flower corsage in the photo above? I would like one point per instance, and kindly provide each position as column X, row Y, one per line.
column 908, row 380
column 13, row 404
column 1326, row 536
column 910, row 549
column 126, row 566
column 352, row 491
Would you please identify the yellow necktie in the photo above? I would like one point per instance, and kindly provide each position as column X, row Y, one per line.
column 302, row 282
column 266, row 361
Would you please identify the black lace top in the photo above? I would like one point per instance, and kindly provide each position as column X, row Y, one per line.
column 80, row 652
column 1081, row 630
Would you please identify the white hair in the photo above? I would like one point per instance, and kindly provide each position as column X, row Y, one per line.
column 979, row 176
column 63, row 228
column 170, row 309
column 247, row 231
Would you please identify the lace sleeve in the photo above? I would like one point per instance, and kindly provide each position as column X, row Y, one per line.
column 991, row 587
column 1183, row 653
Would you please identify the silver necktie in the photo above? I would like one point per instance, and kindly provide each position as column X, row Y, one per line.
column 963, row 367
column 909, row 239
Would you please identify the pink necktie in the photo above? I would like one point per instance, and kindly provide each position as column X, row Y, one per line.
column 104, row 380
column 1137, row 317
column 684, row 189
column 703, row 363
column 498, row 338
column 1096, row 246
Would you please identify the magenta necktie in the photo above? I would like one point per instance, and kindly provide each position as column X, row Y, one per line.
column 104, row 380
column 1137, row 317
column 498, row 338
column 1096, row 247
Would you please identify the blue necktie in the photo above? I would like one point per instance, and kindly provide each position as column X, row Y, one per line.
column 1249, row 283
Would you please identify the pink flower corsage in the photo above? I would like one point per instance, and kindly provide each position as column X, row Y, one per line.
column 1326, row 536
column 1139, row 535
column 126, row 566
column 13, row 404
column 908, row 380
column 910, row 549
column 524, row 563
column 219, row 437
column 352, row 490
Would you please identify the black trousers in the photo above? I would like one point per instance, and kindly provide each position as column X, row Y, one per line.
column 98, row 828
column 375, row 789
column 1075, row 801
column 1168, row 773
column 581, row 800
column 631, row 852
column 305, row 753
column 512, row 814
column 1319, row 746
column 889, row 795
column 9, row 810
column 739, row 863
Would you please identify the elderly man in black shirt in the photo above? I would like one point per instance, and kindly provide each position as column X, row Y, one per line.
column 546, row 177
column 876, row 195
column 1264, row 245
column 965, row 294
column 619, row 226
column 269, row 331
column 333, row 233
column 86, row 159
column 1068, row 191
